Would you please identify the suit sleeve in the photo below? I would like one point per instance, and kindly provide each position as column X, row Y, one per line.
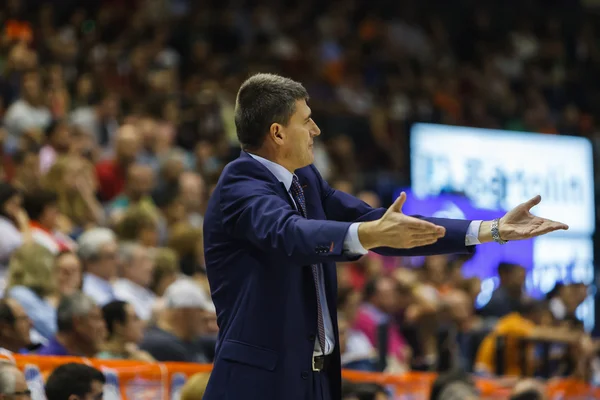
column 340, row 206
column 252, row 210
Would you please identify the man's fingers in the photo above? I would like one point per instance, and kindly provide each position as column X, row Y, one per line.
column 423, row 242
column 533, row 202
column 397, row 205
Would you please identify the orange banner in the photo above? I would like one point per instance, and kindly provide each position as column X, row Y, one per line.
column 163, row 381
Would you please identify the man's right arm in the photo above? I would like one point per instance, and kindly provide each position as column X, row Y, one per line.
column 253, row 210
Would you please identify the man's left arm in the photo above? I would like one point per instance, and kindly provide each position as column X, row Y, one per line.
column 460, row 236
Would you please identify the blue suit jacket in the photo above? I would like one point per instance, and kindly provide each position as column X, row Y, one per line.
column 258, row 249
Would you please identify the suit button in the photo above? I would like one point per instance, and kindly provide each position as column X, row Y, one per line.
column 311, row 338
column 304, row 375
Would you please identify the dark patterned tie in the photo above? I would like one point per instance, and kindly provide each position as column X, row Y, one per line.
column 298, row 195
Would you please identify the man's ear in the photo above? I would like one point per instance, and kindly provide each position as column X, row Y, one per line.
column 276, row 133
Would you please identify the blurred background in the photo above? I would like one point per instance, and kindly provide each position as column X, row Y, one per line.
column 116, row 118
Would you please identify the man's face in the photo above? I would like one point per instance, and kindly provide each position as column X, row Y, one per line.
column 386, row 296
column 140, row 181
column 296, row 138
column 107, row 261
column 92, row 328
column 140, row 267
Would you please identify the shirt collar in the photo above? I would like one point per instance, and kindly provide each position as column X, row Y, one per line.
column 283, row 175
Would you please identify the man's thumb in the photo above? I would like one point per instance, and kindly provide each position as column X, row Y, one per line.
column 397, row 206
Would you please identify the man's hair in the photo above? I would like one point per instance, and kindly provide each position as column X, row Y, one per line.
column 72, row 379
column 452, row 385
column 35, row 203
column 114, row 312
column 75, row 305
column 262, row 100
column 91, row 242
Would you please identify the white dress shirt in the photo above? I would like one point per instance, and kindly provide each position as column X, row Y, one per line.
column 100, row 290
column 352, row 245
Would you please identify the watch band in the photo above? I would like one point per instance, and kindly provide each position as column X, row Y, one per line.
column 496, row 232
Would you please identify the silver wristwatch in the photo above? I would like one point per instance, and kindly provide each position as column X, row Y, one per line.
column 496, row 232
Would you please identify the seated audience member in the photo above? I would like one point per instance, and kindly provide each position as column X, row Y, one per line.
column 68, row 273
column 509, row 295
column 27, row 172
column 166, row 268
column 453, row 385
column 12, row 382
column 528, row 389
column 194, row 387
column 42, row 208
column 133, row 287
column 138, row 186
column 14, row 222
column 357, row 353
column 177, row 335
column 31, row 283
column 81, row 328
column 139, row 225
column 72, row 179
column 14, row 327
column 74, row 381
column 125, row 331
column 565, row 299
column 532, row 322
column 98, row 250
column 381, row 301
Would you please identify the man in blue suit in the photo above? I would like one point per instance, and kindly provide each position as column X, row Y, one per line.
column 272, row 234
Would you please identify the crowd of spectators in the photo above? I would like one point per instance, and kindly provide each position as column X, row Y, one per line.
column 116, row 118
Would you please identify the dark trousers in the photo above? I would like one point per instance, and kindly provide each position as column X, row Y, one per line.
column 320, row 385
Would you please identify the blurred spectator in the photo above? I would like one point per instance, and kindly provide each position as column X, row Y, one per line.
column 98, row 120
column 112, row 172
column 72, row 179
column 509, row 295
column 356, row 351
column 27, row 175
column 14, row 222
column 453, row 385
column 165, row 272
column 194, row 387
column 125, row 331
column 134, row 285
column 564, row 300
column 14, row 327
column 528, row 389
column 98, row 250
column 28, row 116
column 69, row 274
column 177, row 335
column 380, row 304
column 12, row 382
column 364, row 391
column 193, row 195
column 81, row 328
column 75, row 381
column 531, row 322
column 42, row 208
column 139, row 225
column 31, row 283
column 137, row 190
column 187, row 242
column 58, row 143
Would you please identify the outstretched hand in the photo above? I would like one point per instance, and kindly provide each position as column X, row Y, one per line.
column 395, row 229
column 519, row 223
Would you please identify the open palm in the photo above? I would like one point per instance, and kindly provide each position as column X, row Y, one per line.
column 519, row 223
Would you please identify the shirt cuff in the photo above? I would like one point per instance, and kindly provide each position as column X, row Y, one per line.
column 352, row 244
column 472, row 237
